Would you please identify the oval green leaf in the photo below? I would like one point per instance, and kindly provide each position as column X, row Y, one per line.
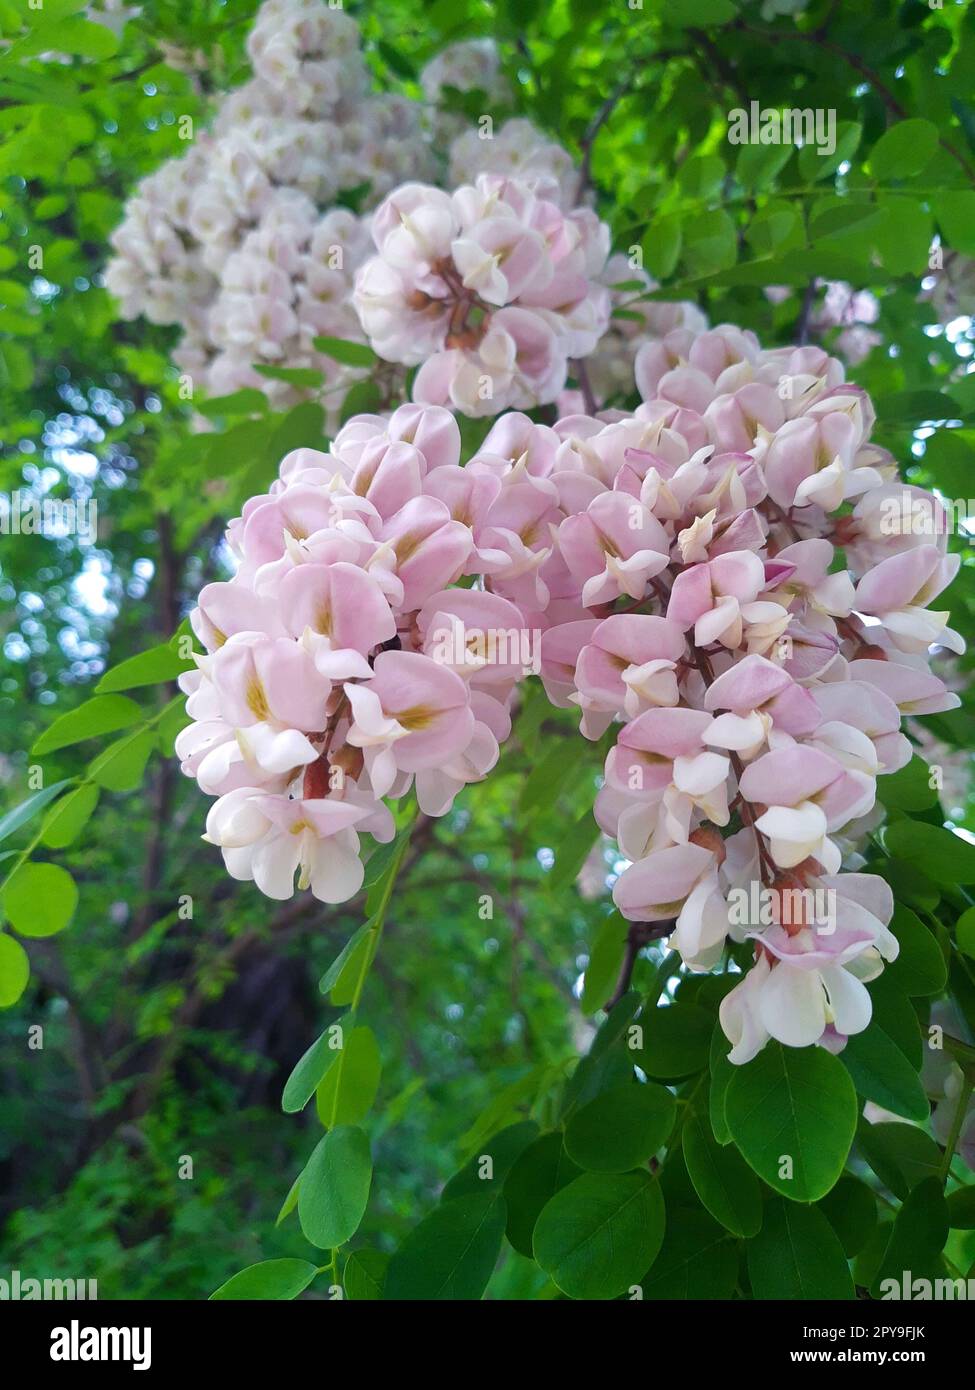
column 14, row 971
column 621, row 1128
column 40, row 899
column 797, row 1255
column 792, row 1111
column 451, row 1254
column 599, row 1236
column 335, row 1188
column 271, row 1279
column 722, row 1179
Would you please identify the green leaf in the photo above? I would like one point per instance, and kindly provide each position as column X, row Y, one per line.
column 290, row 1202
column 397, row 61
column 945, row 857
column 40, row 899
column 721, row 1073
column 696, row 1261
column 965, row 932
column 836, row 218
column 813, row 165
column 882, row 1073
column 271, row 1279
column 572, row 852
column 69, row 816
column 306, row 378
column 605, row 959
column 335, row 1188
column 331, row 977
column 380, row 861
column 797, row 1255
column 79, row 37
column 103, row 714
column 894, row 1013
column 701, row 176
column 909, row 788
column 308, row 1071
column 961, row 1204
column 303, row 426
column 917, row 1240
column 661, row 245
column 710, row 243
column 349, row 1087
column 903, row 239
column 170, row 723
column 348, row 353
column 904, row 150
column 721, row 1178
column 364, row 1275
column 920, row 966
column 14, row 970
column 598, row 1236
column 540, row 1171
column 700, row 12
column 382, row 869
column 122, row 765
column 955, row 211
column 757, row 165
column 621, row 1128
column 851, row 1210
column 917, row 407
column 775, row 227
column 346, row 987
column 451, row 1254
column 546, row 779
column 27, row 810
column 901, row 1155
column 676, row 1040
column 247, row 401
column 793, row 1113
column 362, row 398
column 151, row 667
column 487, row 1169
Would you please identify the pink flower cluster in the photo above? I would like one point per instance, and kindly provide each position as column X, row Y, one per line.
column 340, row 667
column 697, row 587
column 760, row 651
column 493, row 289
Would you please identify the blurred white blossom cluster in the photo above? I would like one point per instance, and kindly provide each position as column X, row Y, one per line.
column 249, row 242
column 239, row 241
column 472, row 65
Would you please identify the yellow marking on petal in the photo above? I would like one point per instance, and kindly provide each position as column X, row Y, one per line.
column 406, row 545
column 414, row 719
column 257, row 701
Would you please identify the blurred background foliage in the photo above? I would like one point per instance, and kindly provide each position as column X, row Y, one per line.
column 167, row 1035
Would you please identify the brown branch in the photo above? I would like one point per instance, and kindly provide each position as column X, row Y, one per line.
column 639, row 935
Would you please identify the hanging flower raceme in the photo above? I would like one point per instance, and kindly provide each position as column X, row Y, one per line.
column 491, row 290
column 248, row 244
column 714, row 574
column 339, row 667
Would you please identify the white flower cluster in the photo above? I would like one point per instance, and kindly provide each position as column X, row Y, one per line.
column 239, row 217
column 518, row 150
column 468, row 66
column 241, row 242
